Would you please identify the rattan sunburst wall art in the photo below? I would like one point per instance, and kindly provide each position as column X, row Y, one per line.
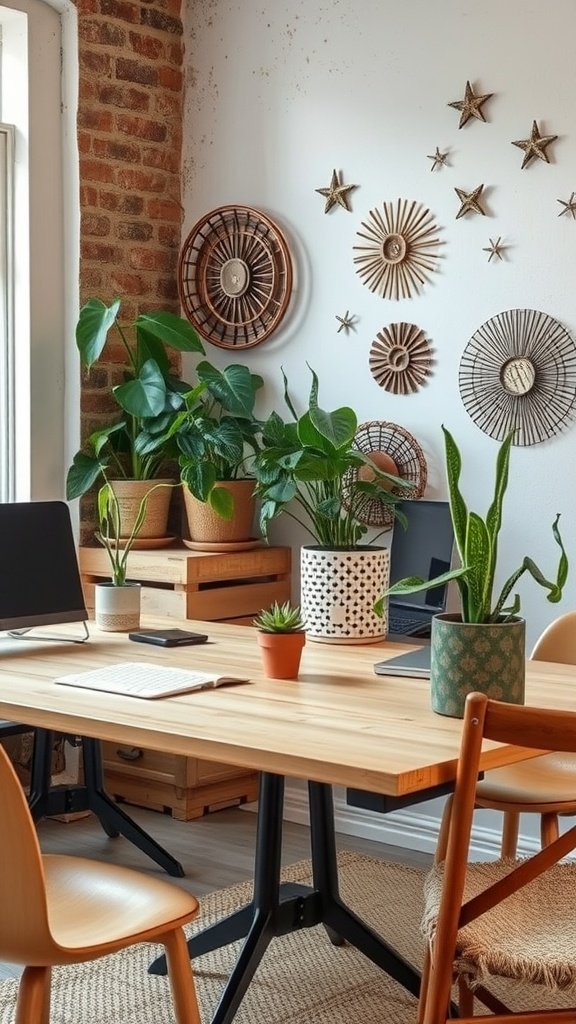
column 393, row 449
column 235, row 276
column 400, row 358
column 518, row 372
column 398, row 249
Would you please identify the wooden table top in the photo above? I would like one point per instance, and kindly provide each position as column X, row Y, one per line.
column 339, row 723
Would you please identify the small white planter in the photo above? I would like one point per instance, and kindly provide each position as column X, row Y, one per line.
column 338, row 590
column 117, row 609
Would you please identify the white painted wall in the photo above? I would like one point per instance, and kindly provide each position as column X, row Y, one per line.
column 279, row 95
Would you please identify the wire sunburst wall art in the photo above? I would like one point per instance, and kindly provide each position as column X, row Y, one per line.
column 235, row 276
column 400, row 358
column 398, row 249
column 518, row 372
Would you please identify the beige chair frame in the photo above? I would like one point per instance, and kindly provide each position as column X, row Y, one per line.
column 60, row 910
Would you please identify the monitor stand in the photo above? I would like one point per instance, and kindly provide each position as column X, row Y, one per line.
column 26, row 634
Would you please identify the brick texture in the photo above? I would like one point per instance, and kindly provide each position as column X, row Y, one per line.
column 130, row 68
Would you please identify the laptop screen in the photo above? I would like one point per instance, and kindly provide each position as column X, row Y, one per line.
column 39, row 578
column 423, row 549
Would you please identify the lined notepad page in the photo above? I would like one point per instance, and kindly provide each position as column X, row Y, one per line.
column 141, row 679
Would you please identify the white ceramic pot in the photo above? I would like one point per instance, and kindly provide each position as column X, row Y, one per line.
column 338, row 590
column 117, row 609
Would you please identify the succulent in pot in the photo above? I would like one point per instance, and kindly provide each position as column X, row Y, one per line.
column 281, row 636
column 280, row 618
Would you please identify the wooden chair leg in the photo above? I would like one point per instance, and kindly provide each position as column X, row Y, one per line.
column 186, row 1009
column 510, row 833
column 465, row 999
column 548, row 829
column 33, row 1003
column 440, row 854
column 424, row 985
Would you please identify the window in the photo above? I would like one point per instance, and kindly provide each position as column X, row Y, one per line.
column 7, row 441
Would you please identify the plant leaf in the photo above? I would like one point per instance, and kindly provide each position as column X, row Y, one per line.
column 94, row 322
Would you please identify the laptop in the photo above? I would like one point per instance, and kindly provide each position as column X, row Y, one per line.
column 425, row 548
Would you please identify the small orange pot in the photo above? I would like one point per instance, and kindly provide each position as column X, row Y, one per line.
column 281, row 653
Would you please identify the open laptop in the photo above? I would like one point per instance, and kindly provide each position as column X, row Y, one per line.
column 425, row 549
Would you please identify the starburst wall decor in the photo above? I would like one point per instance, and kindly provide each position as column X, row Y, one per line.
column 397, row 249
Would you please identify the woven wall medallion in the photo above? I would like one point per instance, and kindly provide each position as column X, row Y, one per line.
column 400, row 358
column 235, row 277
column 383, row 442
column 397, row 249
column 518, row 372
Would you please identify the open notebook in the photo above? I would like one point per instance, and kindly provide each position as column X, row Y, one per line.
column 140, row 679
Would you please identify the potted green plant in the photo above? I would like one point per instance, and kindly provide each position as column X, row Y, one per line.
column 281, row 636
column 483, row 647
column 216, row 436
column 310, row 469
column 117, row 603
column 133, row 447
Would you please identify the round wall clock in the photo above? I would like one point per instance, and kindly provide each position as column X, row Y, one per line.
column 235, row 277
column 518, row 372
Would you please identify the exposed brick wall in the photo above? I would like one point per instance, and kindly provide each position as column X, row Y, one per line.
column 130, row 144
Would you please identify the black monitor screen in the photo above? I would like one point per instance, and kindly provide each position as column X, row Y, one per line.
column 39, row 577
column 424, row 549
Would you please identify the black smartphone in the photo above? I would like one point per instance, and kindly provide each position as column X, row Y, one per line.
column 168, row 637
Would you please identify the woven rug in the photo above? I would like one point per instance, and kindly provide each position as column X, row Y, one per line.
column 302, row 977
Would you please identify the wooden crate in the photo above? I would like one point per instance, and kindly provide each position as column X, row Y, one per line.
column 184, row 787
column 183, row 584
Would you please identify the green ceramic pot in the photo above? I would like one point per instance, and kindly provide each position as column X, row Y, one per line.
column 468, row 656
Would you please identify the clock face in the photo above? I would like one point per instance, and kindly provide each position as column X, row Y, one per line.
column 518, row 376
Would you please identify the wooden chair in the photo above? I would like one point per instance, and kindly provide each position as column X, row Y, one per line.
column 480, row 919
column 67, row 910
column 545, row 785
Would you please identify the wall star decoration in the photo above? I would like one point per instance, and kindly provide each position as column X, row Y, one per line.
column 471, row 105
column 346, row 322
column 495, row 248
column 470, row 201
column 401, row 249
column 569, row 206
column 400, row 358
column 438, row 159
column 535, row 146
column 518, row 372
column 336, row 193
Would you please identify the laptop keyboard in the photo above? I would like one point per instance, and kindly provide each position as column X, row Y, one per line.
column 403, row 624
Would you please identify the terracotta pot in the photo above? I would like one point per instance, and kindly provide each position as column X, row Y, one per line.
column 206, row 526
column 117, row 609
column 281, row 653
column 130, row 493
column 338, row 590
column 467, row 656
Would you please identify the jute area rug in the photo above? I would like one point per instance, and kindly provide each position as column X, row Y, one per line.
column 302, row 979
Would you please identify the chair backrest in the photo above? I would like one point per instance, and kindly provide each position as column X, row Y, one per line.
column 515, row 725
column 24, row 927
column 558, row 641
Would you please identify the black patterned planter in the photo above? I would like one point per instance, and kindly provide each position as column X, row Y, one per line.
column 468, row 656
column 338, row 589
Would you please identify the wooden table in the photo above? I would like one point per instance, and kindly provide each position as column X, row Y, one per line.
column 338, row 724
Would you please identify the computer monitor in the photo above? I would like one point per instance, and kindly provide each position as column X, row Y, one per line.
column 39, row 576
column 424, row 549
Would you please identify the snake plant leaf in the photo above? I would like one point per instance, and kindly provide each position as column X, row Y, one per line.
column 458, row 507
column 477, row 559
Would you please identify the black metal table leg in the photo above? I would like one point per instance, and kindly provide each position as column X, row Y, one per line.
column 45, row 799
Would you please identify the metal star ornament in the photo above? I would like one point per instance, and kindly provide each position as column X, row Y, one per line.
column 471, row 105
column 536, row 145
column 438, row 159
column 469, row 201
column 336, row 193
column 569, row 206
column 495, row 248
column 346, row 322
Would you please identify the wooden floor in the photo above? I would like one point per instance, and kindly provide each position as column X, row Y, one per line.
column 216, row 851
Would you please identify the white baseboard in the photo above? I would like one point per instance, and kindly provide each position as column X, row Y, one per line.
column 411, row 828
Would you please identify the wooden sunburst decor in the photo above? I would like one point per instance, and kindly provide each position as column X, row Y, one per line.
column 400, row 358
column 398, row 249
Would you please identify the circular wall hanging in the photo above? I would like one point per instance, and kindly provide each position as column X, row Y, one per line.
column 400, row 249
column 518, row 372
column 394, row 450
column 400, row 358
column 235, row 277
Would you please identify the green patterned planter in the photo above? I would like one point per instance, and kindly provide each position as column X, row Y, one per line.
column 468, row 656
